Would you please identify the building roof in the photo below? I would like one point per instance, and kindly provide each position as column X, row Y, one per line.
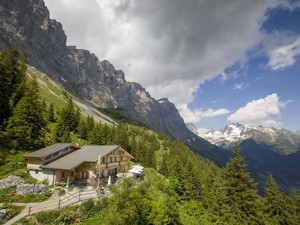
column 85, row 154
column 49, row 150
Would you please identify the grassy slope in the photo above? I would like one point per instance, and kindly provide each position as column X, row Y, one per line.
column 54, row 93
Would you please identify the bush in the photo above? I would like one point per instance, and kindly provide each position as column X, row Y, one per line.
column 47, row 217
column 88, row 206
column 66, row 218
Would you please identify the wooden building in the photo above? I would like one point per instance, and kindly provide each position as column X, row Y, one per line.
column 66, row 162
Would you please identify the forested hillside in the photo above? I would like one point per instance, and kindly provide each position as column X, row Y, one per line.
column 180, row 187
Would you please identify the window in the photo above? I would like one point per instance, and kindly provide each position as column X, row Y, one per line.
column 55, row 154
column 116, row 159
column 65, row 149
column 110, row 159
column 87, row 175
column 103, row 160
column 72, row 173
column 47, row 157
column 121, row 159
column 62, row 173
column 36, row 172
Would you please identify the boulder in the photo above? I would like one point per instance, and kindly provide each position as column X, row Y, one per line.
column 24, row 189
column 3, row 214
column 11, row 181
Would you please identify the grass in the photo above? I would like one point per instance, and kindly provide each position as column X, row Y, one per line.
column 13, row 210
column 118, row 115
column 51, row 92
column 12, row 163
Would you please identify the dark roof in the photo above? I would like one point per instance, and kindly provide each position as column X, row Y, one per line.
column 49, row 150
column 85, row 154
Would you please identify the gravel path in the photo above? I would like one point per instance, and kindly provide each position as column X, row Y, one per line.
column 51, row 203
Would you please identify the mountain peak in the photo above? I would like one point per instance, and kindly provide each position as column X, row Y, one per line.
column 26, row 26
column 284, row 141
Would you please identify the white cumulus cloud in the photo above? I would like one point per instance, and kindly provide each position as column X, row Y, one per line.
column 194, row 116
column 263, row 111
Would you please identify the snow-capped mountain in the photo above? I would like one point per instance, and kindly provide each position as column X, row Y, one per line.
column 283, row 141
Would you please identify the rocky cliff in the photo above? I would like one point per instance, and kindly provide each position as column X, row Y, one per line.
column 25, row 25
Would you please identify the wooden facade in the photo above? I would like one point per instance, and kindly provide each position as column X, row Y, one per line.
column 87, row 165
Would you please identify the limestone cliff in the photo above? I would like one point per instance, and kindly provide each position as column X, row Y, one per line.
column 25, row 25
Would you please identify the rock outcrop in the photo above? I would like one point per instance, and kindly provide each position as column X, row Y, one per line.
column 11, row 181
column 21, row 187
column 25, row 25
column 24, row 189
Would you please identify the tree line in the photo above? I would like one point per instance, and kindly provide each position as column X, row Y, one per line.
column 187, row 189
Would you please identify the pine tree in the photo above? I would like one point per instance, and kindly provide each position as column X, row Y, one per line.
column 82, row 129
column 12, row 75
column 66, row 137
column 90, row 123
column 275, row 203
column 294, row 208
column 240, row 190
column 163, row 168
column 51, row 113
column 94, row 137
column 68, row 118
column 26, row 127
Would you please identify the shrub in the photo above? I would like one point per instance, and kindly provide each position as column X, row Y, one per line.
column 47, row 217
column 88, row 206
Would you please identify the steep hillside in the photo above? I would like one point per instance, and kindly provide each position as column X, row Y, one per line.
column 83, row 75
column 263, row 161
column 54, row 93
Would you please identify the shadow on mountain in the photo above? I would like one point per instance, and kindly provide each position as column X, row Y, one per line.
column 263, row 161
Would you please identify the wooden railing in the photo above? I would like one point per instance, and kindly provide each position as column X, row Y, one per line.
column 72, row 198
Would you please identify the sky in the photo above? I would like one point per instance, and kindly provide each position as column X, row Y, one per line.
column 219, row 62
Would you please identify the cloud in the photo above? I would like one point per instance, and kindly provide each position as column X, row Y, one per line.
column 194, row 116
column 263, row 111
column 284, row 55
column 240, row 86
column 166, row 44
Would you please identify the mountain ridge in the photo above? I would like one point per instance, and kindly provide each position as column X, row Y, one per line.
column 26, row 25
column 284, row 141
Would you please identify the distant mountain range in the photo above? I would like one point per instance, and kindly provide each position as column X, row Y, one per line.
column 266, row 150
column 284, row 141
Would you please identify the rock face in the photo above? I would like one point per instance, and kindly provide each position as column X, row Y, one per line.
column 11, row 181
column 25, row 25
column 24, row 189
column 21, row 187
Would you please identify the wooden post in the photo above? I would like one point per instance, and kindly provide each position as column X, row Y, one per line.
column 29, row 210
column 59, row 203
